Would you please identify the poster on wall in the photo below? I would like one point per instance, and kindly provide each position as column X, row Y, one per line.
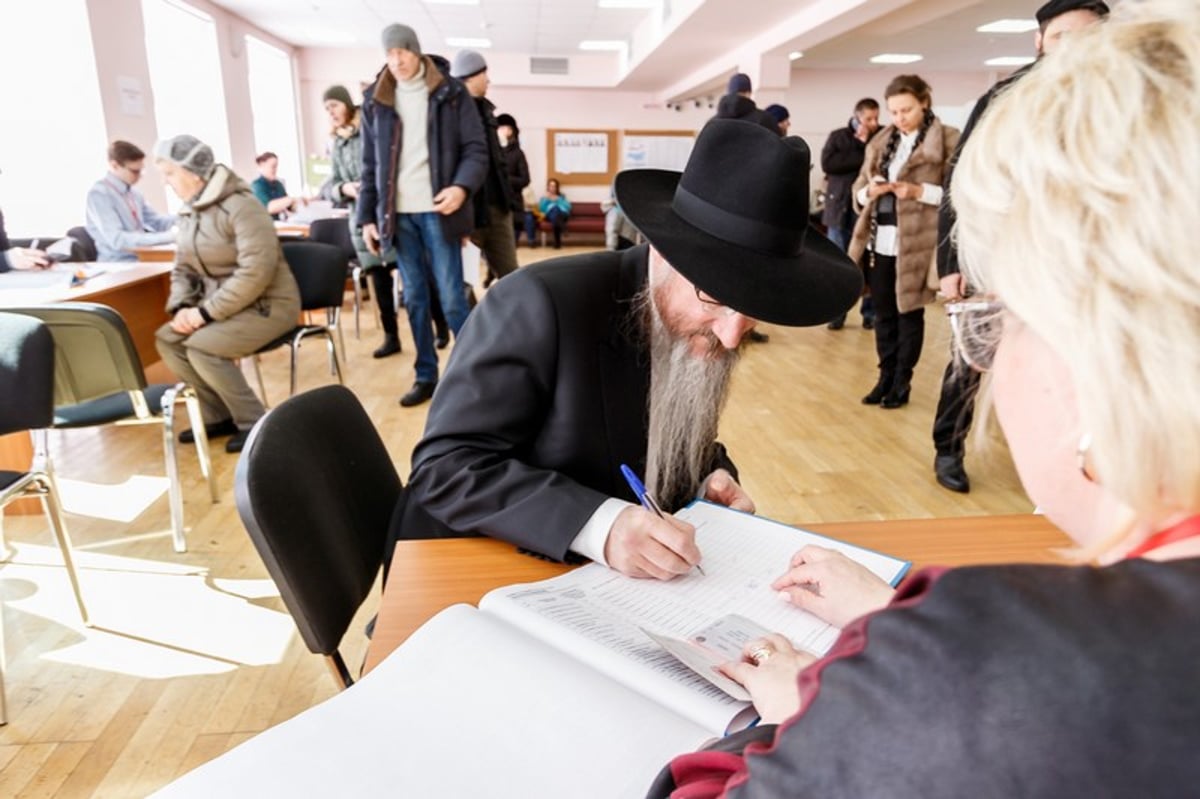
column 585, row 152
column 133, row 99
column 656, row 151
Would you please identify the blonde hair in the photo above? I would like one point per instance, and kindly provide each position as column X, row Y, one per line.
column 1078, row 202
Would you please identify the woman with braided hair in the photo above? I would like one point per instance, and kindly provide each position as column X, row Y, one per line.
column 897, row 196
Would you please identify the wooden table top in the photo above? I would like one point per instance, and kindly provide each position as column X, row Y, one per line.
column 428, row 576
column 116, row 275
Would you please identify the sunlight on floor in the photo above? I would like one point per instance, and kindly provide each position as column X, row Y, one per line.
column 152, row 618
column 121, row 502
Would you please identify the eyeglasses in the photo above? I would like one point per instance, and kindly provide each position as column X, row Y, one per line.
column 718, row 308
column 976, row 327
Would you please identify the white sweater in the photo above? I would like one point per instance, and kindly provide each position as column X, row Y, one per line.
column 414, row 186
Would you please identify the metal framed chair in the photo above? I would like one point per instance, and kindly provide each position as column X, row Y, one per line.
column 27, row 403
column 315, row 488
column 336, row 231
column 99, row 380
column 320, row 271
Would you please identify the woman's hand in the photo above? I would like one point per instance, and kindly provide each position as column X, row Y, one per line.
column 26, row 258
column 908, row 191
column 769, row 670
column 831, row 586
column 350, row 189
column 876, row 188
column 187, row 321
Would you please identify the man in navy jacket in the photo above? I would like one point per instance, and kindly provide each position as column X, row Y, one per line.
column 424, row 154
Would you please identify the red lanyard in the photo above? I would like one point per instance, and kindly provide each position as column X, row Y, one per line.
column 126, row 195
column 1188, row 528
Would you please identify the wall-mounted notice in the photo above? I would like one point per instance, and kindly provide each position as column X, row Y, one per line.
column 585, row 151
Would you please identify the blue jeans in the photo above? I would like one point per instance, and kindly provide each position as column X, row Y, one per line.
column 418, row 236
column 840, row 236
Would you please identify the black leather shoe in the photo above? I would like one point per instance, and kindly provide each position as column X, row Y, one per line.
column 420, row 392
column 238, row 441
column 950, row 473
column 868, row 323
column 897, row 397
column 390, row 346
column 837, row 323
column 442, row 341
column 881, row 389
column 225, row 427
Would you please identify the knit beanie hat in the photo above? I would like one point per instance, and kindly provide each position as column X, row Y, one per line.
column 189, row 152
column 507, row 119
column 341, row 94
column 402, row 37
column 739, row 83
column 466, row 64
column 778, row 111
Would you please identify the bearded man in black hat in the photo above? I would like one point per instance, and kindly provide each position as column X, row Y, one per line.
column 574, row 366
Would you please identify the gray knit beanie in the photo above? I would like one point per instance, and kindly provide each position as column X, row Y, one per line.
column 397, row 36
column 189, row 152
column 466, row 64
column 341, row 94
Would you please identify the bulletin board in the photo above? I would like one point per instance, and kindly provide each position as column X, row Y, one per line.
column 656, row 149
column 584, row 157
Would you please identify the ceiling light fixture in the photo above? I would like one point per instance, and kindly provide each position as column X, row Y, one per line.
column 794, row 55
column 1009, row 26
column 895, row 58
column 467, row 41
column 602, row 44
column 1010, row 61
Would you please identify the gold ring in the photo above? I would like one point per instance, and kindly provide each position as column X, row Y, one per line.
column 760, row 654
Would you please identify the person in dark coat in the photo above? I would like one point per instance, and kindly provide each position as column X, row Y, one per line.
column 19, row 257
column 956, row 402
column 572, row 367
column 841, row 160
column 736, row 104
column 518, row 174
column 1019, row 680
column 424, row 154
column 493, row 202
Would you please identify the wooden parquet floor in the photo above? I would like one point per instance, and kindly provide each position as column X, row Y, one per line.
column 192, row 654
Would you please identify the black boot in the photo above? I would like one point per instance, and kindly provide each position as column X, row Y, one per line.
column 950, row 473
column 390, row 346
column 881, row 389
column 897, row 396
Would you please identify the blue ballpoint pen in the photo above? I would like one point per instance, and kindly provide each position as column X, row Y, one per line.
column 643, row 496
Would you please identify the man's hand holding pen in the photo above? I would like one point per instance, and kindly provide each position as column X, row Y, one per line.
column 642, row 544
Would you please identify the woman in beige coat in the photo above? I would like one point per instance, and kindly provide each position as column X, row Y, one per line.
column 897, row 195
column 231, row 289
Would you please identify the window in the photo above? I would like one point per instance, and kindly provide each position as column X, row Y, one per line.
column 273, row 103
column 52, row 145
column 185, row 75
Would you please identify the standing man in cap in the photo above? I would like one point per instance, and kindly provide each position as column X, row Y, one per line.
column 493, row 202
column 424, row 153
column 736, row 104
column 572, row 367
column 956, row 405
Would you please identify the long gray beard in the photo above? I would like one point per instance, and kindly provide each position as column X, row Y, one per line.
column 687, row 394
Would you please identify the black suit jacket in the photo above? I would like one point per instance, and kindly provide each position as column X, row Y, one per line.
column 543, row 399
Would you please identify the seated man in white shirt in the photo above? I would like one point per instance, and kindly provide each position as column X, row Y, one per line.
column 118, row 219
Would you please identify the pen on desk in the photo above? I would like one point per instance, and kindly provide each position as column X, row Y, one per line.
column 643, row 496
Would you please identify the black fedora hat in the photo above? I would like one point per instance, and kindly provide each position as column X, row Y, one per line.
column 735, row 223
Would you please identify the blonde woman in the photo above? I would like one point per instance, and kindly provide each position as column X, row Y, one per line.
column 1036, row 681
column 896, row 195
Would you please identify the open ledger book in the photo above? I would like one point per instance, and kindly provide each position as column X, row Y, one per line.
column 547, row 689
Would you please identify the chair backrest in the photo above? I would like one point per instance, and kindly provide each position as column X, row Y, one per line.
column 86, row 245
column 333, row 231
column 320, row 271
column 315, row 489
column 94, row 353
column 26, row 374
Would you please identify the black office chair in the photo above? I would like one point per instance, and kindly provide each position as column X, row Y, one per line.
column 99, row 380
column 320, row 272
column 86, row 245
column 336, row 231
column 315, row 488
column 27, row 403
